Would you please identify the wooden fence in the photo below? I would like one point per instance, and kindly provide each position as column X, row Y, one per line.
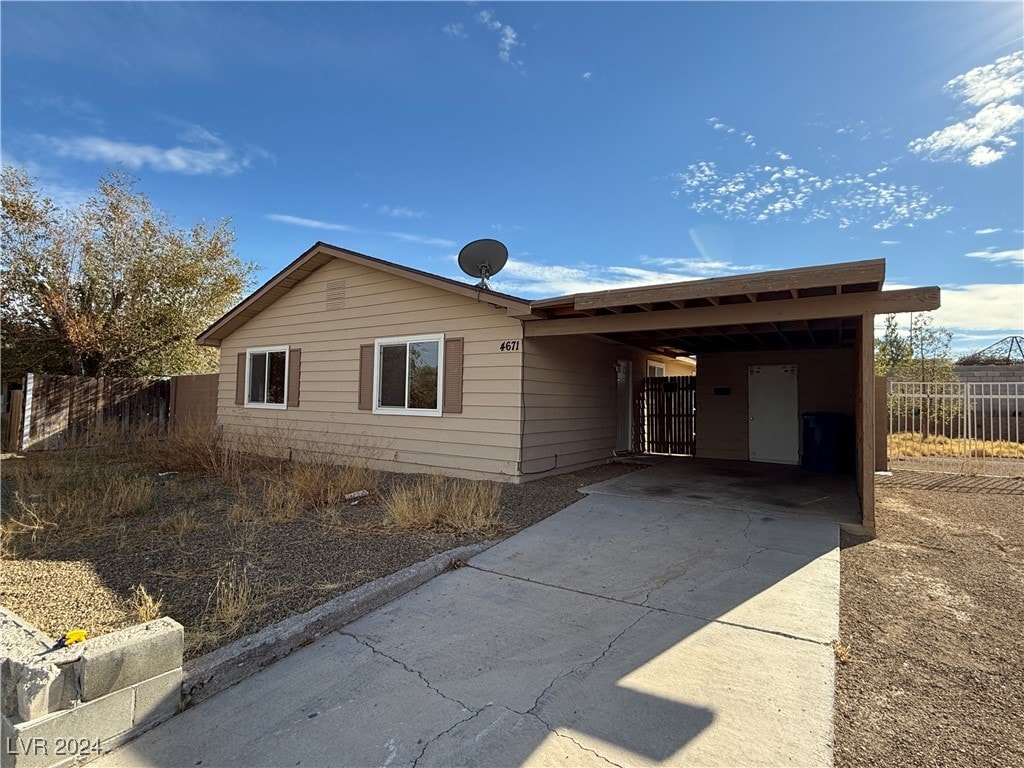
column 667, row 415
column 51, row 411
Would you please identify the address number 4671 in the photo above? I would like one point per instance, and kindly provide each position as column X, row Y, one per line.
column 508, row 346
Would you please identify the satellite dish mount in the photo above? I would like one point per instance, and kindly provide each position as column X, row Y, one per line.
column 484, row 259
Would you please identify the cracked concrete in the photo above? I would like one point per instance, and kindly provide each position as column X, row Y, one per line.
column 622, row 631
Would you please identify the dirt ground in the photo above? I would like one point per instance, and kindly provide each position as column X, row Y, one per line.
column 933, row 613
column 221, row 577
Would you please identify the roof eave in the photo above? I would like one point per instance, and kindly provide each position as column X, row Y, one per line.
column 320, row 254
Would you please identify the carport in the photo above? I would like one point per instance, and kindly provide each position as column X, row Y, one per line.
column 772, row 348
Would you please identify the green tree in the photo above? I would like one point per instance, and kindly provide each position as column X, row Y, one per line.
column 930, row 358
column 893, row 349
column 112, row 287
column 922, row 354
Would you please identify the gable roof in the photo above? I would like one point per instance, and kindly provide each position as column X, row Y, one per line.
column 323, row 253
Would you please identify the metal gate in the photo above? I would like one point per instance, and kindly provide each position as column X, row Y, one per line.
column 666, row 415
column 963, row 427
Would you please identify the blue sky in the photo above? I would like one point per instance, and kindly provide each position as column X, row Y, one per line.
column 606, row 144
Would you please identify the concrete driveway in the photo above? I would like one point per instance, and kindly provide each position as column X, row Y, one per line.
column 636, row 629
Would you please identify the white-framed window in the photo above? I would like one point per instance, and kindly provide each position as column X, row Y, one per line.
column 266, row 377
column 407, row 373
column 654, row 369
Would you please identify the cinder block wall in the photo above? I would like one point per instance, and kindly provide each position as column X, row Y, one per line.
column 70, row 704
column 986, row 374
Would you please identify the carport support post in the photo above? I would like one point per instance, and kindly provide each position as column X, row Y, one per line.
column 866, row 420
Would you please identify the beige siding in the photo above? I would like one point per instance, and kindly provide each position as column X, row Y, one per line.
column 825, row 383
column 569, row 399
column 482, row 441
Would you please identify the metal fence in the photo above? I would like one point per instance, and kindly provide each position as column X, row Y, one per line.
column 962, row 427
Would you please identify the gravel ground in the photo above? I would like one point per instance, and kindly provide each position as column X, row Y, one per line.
column 933, row 610
column 290, row 567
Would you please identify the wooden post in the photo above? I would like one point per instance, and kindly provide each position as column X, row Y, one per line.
column 866, row 419
column 881, row 424
column 15, row 421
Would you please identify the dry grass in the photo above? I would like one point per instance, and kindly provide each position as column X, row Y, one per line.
column 463, row 506
column 55, row 500
column 183, row 522
column 229, row 609
column 191, row 447
column 318, row 484
column 912, row 444
column 144, row 606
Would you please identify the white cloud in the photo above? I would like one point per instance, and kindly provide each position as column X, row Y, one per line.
column 890, row 242
column 982, row 307
column 765, row 191
column 984, row 310
column 406, row 237
column 587, row 75
column 1010, row 256
column 533, row 280
column 991, row 83
column 455, row 30
column 400, row 212
column 210, row 155
column 988, row 134
column 783, row 156
column 718, row 125
column 703, row 267
column 508, row 40
column 987, row 231
column 309, row 223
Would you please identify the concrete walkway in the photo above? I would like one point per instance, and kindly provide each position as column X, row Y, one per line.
column 623, row 630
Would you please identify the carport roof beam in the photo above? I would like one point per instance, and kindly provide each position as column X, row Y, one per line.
column 858, row 275
column 842, row 305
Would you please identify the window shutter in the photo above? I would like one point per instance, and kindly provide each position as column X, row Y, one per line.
column 294, row 366
column 453, row 353
column 240, row 380
column 366, row 377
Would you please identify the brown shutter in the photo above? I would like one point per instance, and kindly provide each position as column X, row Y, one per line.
column 366, row 377
column 240, row 380
column 294, row 366
column 453, row 353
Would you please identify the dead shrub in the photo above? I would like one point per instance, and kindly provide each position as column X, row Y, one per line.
column 144, row 606
column 191, row 446
column 280, row 502
column 319, row 484
column 841, row 651
column 435, row 501
column 232, row 600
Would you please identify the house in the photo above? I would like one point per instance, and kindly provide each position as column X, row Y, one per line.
column 345, row 355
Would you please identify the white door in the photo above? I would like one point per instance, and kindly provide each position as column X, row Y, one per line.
column 624, row 405
column 772, row 408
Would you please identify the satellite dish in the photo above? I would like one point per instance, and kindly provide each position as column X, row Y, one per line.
column 483, row 259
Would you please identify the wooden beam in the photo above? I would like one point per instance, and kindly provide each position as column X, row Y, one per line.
column 847, row 305
column 872, row 271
